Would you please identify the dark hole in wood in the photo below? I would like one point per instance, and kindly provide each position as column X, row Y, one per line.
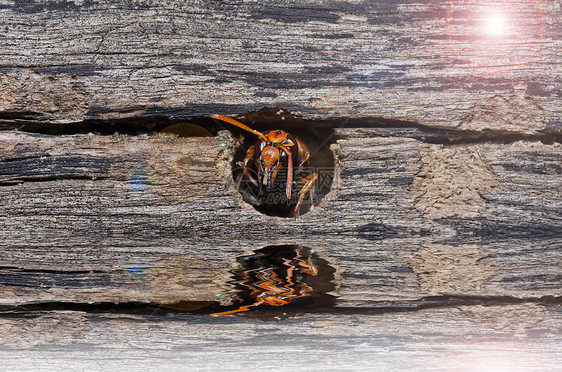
column 283, row 280
column 271, row 199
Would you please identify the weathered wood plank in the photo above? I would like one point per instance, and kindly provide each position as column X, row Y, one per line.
column 81, row 214
column 432, row 62
column 523, row 337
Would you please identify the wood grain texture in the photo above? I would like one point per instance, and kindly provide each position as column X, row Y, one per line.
column 82, row 216
column 515, row 338
column 431, row 62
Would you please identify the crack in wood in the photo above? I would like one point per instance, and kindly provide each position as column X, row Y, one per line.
column 429, row 302
column 46, row 271
column 263, row 119
column 50, row 179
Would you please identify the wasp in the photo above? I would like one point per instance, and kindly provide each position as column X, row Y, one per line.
column 269, row 286
column 275, row 150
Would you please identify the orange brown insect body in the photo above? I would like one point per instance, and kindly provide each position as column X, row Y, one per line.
column 271, row 152
column 267, row 287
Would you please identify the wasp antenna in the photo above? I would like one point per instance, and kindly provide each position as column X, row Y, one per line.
column 240, row 125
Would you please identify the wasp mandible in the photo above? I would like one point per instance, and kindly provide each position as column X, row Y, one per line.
column 274, row 150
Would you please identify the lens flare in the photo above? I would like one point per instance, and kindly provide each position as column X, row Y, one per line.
column 139, row 270
column 496, row 24
column 496, row 358
column 495, row 37
column 140, row 180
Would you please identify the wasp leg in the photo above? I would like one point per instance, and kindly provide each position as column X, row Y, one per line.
column 240, row 309
column 312, row 194
column 244, row 165
column 308, row 183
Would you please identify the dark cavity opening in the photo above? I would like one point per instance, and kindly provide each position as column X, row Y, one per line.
column 272, row 199
column 280, row 281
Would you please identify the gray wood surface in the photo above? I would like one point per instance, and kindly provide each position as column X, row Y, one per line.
column 432, row 62
column 447, row 256
column 466, row 338
column 404, row 220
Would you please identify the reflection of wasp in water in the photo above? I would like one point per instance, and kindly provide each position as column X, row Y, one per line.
column 268, row 287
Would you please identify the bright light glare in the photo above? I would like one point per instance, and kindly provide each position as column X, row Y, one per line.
column 497, row 360
column 495, row 24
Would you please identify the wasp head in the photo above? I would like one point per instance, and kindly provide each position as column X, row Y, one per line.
column 269, row 163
